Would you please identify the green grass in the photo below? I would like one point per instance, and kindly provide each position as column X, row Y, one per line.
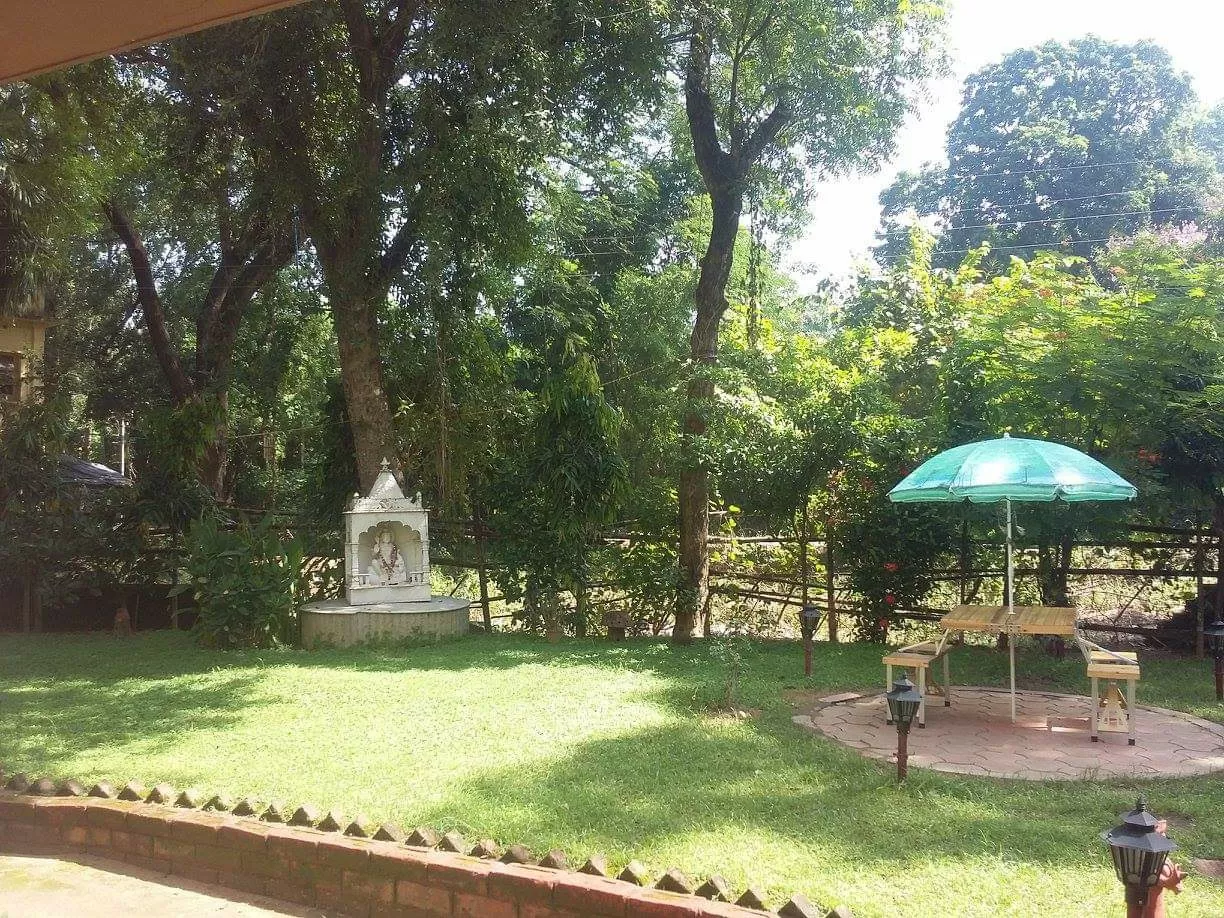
column 592, row 747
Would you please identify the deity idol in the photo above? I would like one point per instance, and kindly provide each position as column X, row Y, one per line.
column 386, row 563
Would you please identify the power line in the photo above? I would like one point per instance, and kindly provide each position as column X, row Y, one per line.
column 1121, row 213
column 1119, row 162
column 1036, row 245
column 1053, row 201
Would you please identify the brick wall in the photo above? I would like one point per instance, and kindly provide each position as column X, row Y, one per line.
column 330, row 870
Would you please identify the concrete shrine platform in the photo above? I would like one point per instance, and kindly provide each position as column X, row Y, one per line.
column 337, row 623
column 1049, row 740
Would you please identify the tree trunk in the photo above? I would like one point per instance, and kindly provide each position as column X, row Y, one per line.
column 694, row 490
column 365, row 396
column 581, row 609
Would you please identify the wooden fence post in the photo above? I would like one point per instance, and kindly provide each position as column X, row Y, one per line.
column 830, row 585
column 803, row 551
column 581, row 610
column 482, row 575
column 25, row 601
column 964, row 561
column 1198, row 590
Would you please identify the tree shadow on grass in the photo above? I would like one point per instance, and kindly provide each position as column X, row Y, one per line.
column 53, row 711
column 785, row 813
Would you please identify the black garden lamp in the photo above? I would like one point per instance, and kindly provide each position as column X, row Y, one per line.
column 1139, row 853
column 809, row 621
column 1214, row 633
column 903, row 703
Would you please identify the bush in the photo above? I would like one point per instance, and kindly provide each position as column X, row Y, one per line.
column 243, row 580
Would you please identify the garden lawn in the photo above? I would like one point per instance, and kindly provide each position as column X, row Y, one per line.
column 590, row 747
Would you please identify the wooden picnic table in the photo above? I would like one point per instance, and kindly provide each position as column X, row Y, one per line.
column 1047, row 620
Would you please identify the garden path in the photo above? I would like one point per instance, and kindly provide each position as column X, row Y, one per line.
column 47, row 887
column 1049, row 740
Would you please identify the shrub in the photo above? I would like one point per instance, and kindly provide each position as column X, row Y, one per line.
column 243, row 580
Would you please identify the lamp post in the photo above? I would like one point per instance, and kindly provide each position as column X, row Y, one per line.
column 1139, row 851
column 903, row 701
column 809, row 621
column 1215, row 634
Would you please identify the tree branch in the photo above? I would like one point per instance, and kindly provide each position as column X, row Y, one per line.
column 764, row 134
column 712, row 160
column 396, row 255
column 363, row 45
column 264, row 264
column 150, row 304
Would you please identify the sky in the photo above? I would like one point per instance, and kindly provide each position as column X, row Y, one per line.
column 845, row 212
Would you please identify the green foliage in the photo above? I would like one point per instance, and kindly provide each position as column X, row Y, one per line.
column 65, row 538
column 169, row 490
column 1061, row 146
column 245, row 583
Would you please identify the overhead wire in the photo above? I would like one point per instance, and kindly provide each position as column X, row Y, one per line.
column 1121, row 213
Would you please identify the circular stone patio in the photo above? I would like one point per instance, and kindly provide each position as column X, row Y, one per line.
column 1049, row 740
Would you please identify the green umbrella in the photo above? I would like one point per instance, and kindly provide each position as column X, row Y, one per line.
column 1007, row 469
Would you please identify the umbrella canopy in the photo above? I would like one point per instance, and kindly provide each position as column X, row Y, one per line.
column 1011, row 468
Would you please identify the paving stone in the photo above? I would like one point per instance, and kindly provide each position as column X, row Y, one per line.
column 799, row 907
column 715, row 888
column 555, row 859
column 675, row 881
column 633, row 873
column 424, row 837
column 486, row 848
column 305, row 815
column 751, row 898
column 134, row 791
column 596, row 865
column 246, row 807
column 389, row 831
column 452, row 841
column 332, row 821
column 162, row 793
column 518, row 854
column 221, row 803
column 190, row 799
column 1210, row 867
column 839, row 697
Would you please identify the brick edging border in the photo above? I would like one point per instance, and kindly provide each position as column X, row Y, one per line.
column 389, row 875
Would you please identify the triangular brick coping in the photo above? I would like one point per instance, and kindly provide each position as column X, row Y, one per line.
column 183, row 834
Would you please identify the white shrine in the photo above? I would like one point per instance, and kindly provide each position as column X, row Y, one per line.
column 386, row 576
column 386, row 549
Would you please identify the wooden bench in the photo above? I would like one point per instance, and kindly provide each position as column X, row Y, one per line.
column 919, row 657
column 1113, row 714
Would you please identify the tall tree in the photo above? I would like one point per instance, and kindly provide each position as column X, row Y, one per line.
column 764, row 83
column 222, row 230
column 372, row 107
column 1061, row 145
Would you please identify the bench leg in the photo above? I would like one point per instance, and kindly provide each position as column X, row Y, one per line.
column 947, row 684
column 1092, row 719
column 1130, row 711
column 921, row 670
column 888, row 688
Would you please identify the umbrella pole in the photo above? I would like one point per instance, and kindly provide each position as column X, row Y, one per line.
column 1011, row 612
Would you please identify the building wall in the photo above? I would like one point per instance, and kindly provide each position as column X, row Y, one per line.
column 26, row 337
